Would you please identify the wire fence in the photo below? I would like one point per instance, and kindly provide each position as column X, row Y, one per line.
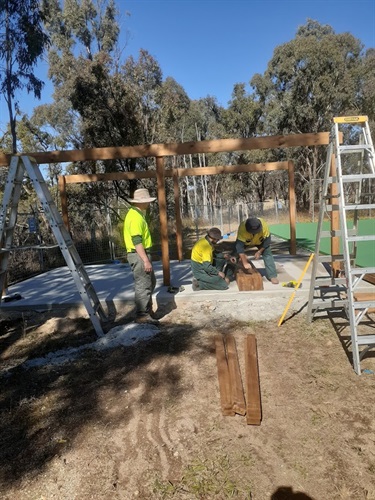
column 99, row 239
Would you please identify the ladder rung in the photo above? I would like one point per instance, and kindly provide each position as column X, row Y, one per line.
column 364, row 304
column 366, row 339
column 356, row 148
column 330, row 303
column 332, row 208
column 33, row 247
column 350, row 119
column 368, row 206
column 357, row 177
column 336, row 233
column 362, row 270
column 327, row 282
column 331, row 258
column 368, row 237
column 331, row 196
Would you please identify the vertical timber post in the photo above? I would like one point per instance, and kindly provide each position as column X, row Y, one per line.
column 160, row 177
column 177, row 208
column 64, row 201
column 292, row 209
column 335, row 218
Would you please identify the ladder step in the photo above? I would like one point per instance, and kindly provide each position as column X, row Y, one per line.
column 368, row 237
column 351, row 119
column 32, row 247
column 356, row 148
column 329, row 303
column 366, row 340
column 330, row 258
column 368, row 206
column 357, row 177
column 362, row 270
column 364, row 304
column 329, row 282
column 336, row 233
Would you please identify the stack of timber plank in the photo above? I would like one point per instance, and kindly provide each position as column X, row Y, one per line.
column 232, row 397
column 248, row 279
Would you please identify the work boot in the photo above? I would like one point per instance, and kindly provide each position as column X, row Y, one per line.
column 274, row 281
column 146, row 318
column 195, row 285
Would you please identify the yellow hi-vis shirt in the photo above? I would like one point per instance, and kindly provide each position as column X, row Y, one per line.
column 253, row 240
column 202, row 251
column 135, row 224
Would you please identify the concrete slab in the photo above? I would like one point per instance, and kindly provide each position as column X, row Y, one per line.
column 113, row 283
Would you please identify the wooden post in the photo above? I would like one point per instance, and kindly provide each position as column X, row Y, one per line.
column 292, row 209
column 64, row 201
column 253, row 404
column 238, row 397
column 163, row 220
column 226, row 400
column 177, row 209
column 335, row 219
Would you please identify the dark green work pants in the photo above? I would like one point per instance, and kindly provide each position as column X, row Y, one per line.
column 213, row 281
column 144, row 283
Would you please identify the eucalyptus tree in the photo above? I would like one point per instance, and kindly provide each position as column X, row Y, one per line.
column 367, row 97
column 308, row 81
column 22, row 44
column 83, row 35
column 204, row 121
column 241, row 120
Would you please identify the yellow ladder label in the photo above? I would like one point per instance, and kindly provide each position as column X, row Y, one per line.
column 350, row 119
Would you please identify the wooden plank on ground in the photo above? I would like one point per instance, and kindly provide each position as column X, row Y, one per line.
column 224, row 378
column 253, row 403
column 238, row 396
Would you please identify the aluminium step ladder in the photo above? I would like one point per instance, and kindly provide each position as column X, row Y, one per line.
column 346, row 194
column 20, row 165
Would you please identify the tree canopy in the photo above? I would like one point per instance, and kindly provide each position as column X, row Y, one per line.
column 104, row 98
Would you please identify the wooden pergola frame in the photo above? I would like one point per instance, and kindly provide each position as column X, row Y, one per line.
column 159, row 152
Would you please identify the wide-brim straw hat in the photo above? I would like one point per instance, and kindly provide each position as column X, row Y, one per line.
column 141, row 196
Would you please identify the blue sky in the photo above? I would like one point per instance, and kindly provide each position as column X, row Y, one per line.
column 209, row 45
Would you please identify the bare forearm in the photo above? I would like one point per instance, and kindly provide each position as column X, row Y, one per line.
column 143, row 255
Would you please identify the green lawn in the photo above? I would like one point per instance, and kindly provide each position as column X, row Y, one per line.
column 306, row 236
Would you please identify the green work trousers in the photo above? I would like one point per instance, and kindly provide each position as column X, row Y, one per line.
column 144, row 283
column 208, row 281
column 269, row 263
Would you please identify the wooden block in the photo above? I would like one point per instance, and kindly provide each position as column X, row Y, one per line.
column 238, row 396
column 249, row 279
column 253, row 403
column 366, row 297
column 224, row 378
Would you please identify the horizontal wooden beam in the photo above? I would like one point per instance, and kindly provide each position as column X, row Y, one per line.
column 112, row 176
column 232, row 169
column 175, row 149
column 181, row 172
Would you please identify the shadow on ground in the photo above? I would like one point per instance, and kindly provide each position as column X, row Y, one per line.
column 43, row 410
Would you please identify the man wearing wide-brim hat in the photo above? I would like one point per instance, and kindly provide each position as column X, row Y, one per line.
column 138, row 243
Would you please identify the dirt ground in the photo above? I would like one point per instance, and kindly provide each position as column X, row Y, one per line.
column 144, row 422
